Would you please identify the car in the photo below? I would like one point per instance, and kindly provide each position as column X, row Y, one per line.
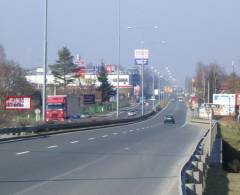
column 74, row 116
column 85, row 115
column 169, row 119
column 131, row 113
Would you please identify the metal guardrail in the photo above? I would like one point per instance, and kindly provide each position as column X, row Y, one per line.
column 193, row 174
column 48, row 128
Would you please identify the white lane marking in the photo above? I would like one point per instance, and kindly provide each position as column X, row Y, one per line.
column 137, row 129
column 124, row 132
column 104, row 136
column 131, row 130
column 74, row 142
column 91, row 138
column 115, row 133
column 143, row 128
column 184, row 124
column 54, row 146
column 127, row 148
column 20, row 153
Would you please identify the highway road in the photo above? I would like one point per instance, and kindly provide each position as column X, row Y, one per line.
column 142, row 158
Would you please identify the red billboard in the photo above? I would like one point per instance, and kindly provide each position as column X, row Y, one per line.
column 17, row 103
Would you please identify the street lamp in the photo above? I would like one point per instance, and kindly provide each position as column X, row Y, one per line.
column 45, row 63
column 153, row 96
column 119, row 53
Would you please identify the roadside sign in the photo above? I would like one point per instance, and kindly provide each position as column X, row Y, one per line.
column 141, row 56
column 17, row 103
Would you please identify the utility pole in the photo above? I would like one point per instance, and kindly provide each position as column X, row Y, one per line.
column 45, row 63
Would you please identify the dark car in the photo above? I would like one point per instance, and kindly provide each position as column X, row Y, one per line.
column 169, row 119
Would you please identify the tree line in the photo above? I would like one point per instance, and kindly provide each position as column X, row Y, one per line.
column 212, row 78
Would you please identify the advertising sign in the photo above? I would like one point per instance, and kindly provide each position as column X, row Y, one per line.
column 141, row 56
column 168, row 89
column 17, row 103
column 89, row 99
column 226, row 103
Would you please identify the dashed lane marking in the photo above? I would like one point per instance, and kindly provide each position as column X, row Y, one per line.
column 91, row 138
column 115, row 133
column 20, row 153
column 54, row 146
column 74, row 142
column 104, row 136
column 131, row 130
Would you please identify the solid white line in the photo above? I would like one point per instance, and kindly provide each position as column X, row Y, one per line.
column 20, row 153
column 74, row 142
column 54, row 146
column 104, row 136
column 115, row 133
column 91, row 138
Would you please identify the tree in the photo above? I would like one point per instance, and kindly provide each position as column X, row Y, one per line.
column 208, row 79
column 64, row 67
column 105, row 86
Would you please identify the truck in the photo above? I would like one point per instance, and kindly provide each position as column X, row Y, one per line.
column 193, row 102
column 62, row 107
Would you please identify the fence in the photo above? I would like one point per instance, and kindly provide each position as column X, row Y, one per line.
column 193, row 174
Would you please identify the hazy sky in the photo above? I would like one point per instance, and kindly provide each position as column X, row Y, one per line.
column 194, row 30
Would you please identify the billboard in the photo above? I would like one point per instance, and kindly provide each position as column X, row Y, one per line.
column 226, row 103
column 89, row 99
column 168, row 89
column 17, row 103
column 141, row 56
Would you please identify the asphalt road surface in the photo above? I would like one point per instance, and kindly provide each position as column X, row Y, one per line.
column 142, row 158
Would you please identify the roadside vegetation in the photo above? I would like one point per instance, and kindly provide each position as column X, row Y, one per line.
column 225, row 179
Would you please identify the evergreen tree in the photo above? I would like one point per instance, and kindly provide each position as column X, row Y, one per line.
column 105, row 87
column 63, row 69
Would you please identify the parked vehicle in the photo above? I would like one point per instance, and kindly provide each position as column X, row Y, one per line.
column 169, row 119
column 62, row 107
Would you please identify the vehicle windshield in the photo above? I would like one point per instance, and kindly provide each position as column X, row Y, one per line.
column 55, row 107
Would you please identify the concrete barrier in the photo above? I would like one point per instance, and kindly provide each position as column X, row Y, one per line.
column 193, row 174
column 18, row 132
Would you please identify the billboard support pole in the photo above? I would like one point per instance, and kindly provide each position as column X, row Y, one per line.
column 142, row 91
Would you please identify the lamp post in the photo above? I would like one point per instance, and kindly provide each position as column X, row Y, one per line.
column 119, row 53
column 160, row 77
column 153, row 96
column 45, row 63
